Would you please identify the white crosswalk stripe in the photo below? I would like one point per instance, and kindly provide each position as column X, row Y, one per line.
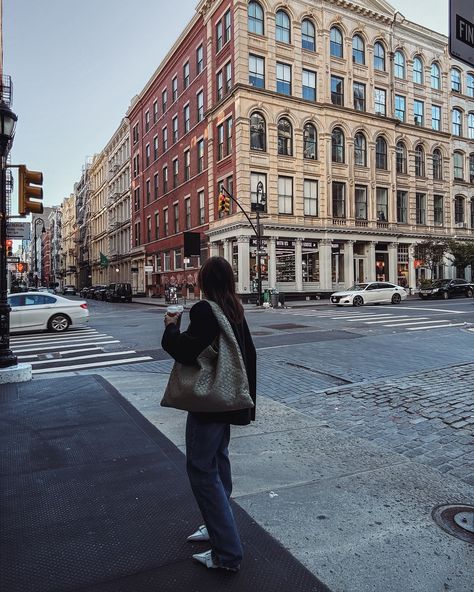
column 71, row 351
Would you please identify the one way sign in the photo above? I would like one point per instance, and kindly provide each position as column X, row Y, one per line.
column 461, row 30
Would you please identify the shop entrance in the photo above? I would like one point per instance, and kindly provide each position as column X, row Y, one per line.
column 359, row 269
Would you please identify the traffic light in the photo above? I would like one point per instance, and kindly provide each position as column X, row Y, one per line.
column 9, row 244
column 30, row 192
column 227, row 204
column 221, row 202
column 22, row 267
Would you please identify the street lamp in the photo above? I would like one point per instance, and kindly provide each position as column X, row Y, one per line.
column 43, row 230
column 259, row 207
column 8, row 121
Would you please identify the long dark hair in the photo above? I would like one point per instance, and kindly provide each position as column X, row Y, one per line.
column 216, row 280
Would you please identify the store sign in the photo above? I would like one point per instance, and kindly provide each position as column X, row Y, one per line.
column 285, row 243
column 461, row 30
column 19, row 230
column 148, row 268
column 309, row 244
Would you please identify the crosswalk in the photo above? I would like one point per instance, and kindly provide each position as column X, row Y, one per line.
column 440, row 319
column 78, row 349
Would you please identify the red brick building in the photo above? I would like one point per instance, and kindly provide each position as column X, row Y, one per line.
column 46, row 276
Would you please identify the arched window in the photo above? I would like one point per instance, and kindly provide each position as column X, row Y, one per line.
column 379, row 56
column 360, row 149
column 471, row 168
column 283, row 30
column 470, row 84
column 401, row 158
column 437, row 165
column 455, row 80
column 417, row 70
column 470, row 126
column 255, row 18
column 399, row 65
column 456, row 120
column 458, row 209
column 358, row 50
column 310, row 140
column 285, row 137
column 308, row 35
column 419, row 161
column 458, row 162
column 336, row 43
column 258, row 134
column 435, row 76
column 381, row 154
column 338, row 145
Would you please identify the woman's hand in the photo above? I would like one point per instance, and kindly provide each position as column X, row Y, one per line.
column 168, row 319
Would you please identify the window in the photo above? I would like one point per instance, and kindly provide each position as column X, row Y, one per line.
column 219, row 36
column 360, row 202
column 458, row 160
column 148, row 229
column 437, row 165
column 174, row 88
column 200, row 156
column 136, row 198
column 187, row 165
column 456, row 121
column 435, row 76
column 219, row 85
column 308, row 35
column 310, row 198
column 157, row 225
column 421, row 208
column 438, row 210
column 470, row 126
column 471, row 169
column 359, row 96
column 358, row 50
column 201, row 212
column 155, row 186
column 419, row 161
column 187, row 213
column 136, row 165
column 401, row 154
column 470, row 85
column 175, row 173
column 255, row 179
column 227, row 26
column 165, row 138
column 310, row 142
column 400, row 107
column 256, row 71
column 199, row 59
column 228, row 77
column 458, row 209
column 285, row 137
column 360, row 149
column 165, row 179
column 147, row 155
column 200, row 105
column 138, row 239
column 285, row 195
column 283, row 78
column 257, row 132
column 309, row 85
column 176, row 217
column 228, row 136
column 336, row 47
column 147, row 191
column 255, row 18
column 165, row 226
column 337, row 90
column 381, row 154
column 402, row 207
column 186, row 119
column 379, row 56
column 135, row 134
column 337, row 140
column 186, row 75
column 282, row 28
column 455, row 80
column 417, row 70
column 220, row 142
column 175, row 129
column 338, row 200
column 155, row 147
column 155, row 111
column 382, row 204
column 380, row 96
column 419, row 112
column 399, row 65
column 147, row 121
column 436, row 117
column 166, row 258
column 164, row 100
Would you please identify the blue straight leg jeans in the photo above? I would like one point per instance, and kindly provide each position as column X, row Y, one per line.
column 208, row 467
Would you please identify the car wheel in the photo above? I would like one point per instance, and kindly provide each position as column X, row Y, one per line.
column 445, row 295
column 423, row 297
column 469, row 294
column 396, row 299
column 358, row 301
column 58, row 323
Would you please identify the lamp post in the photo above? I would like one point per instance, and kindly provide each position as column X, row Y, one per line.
column 259, row 207
column 8, row 121
column 43, row 230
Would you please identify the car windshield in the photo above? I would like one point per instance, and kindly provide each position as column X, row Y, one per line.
column 439, row 283
column 358, row 287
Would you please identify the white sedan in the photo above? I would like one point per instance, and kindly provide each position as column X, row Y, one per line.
column 369, row 293
column 36, row 311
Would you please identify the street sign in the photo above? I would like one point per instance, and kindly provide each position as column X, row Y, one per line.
column 148, row 268
column 19, row 230
column 461, row 30
column 13, row 259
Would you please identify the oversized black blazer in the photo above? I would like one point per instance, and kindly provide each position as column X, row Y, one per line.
column 203, row 328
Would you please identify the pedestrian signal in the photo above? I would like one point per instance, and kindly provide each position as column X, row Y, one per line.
column 9, row 245
column 30, row 192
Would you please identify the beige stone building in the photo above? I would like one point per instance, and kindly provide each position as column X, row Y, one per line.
column 99, row 241
column 69, row 268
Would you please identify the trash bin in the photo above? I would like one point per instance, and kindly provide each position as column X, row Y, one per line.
column 266, row 295
column 274, row 300
column 281, row 298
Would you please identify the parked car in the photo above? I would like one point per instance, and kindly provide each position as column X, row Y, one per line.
column 36, row 311
column 98, row 292
column 369, row 293
column 69, row 290
column 447, row 289
column 121, row 292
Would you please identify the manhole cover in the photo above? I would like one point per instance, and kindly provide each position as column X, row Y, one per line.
column 286, row 326
column 456, row 520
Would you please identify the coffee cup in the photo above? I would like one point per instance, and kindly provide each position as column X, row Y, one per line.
column 175, row 310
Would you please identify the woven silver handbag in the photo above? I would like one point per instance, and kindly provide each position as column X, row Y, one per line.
column 217, row 381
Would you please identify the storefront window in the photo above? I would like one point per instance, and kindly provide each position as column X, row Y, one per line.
column 402, row 267
column 310, row 262
column 285, row 260
column 337, row 265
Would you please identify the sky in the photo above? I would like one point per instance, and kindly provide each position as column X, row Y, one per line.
column 76, row 65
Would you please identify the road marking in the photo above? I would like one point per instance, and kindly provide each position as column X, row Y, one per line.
column 63, row 346
column 59, row 339
column 417, row 323
column 119, row 353
column 403, row 317
column 431, row 309
column 364, row 319
column 72, row 351
column 97, row 365
column 46, row 337
column 359, row 316
column 437, row 327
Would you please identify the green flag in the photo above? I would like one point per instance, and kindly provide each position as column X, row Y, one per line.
column 104, row 262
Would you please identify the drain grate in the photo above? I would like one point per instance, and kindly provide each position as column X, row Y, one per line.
column 286, row 326
column 457, row 520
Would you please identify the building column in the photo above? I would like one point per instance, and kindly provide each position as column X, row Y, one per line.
column 393, row 263
column 325, row 262
column 411, row 268
column 299, row 264
column 371, row 262
column 272, row 262
column 244, row 264
column 228, row 250
column 349, row 263
column 213, row 249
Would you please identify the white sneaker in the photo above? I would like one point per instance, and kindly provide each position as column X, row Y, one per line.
column 207, row 560
column 201, row 534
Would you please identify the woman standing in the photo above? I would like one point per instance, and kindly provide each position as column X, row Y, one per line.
column 208, row 434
